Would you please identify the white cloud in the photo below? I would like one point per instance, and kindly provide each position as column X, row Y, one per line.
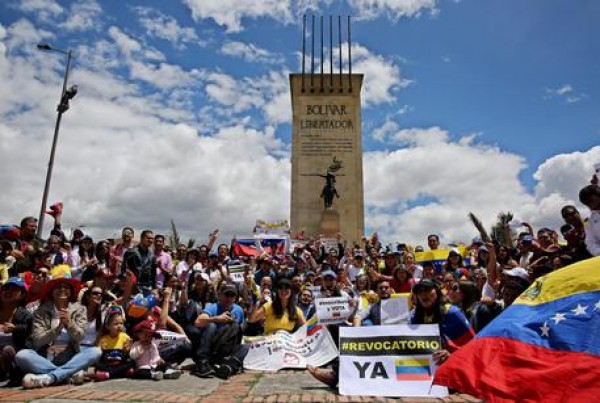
column 166, row 27
column 142, row 64
column 382, row 76
column 120, row 163
column 431, row 184
column 250, row 52
column 564, row 92
column 83, row 15
column 229, row 13
column 368, row 9
column 388, row 128
column 268, row 93
column 45, row 10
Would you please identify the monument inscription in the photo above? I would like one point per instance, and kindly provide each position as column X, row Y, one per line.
column 326, row 130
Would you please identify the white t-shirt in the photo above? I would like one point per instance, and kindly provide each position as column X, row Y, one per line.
column 89, row 338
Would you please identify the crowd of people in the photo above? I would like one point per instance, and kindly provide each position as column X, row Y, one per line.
column 75, row 310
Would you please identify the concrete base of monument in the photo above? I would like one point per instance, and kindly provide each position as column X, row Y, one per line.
column 330, row 223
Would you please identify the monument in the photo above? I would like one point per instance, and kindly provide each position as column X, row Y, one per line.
column 327, row 179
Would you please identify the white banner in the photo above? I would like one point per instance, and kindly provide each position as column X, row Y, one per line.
column 333, row 310
column 275, row 227
column 309, row 345
column 394, row 361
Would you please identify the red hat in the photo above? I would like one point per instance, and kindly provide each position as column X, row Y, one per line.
column 146, row 326
column 75, row 285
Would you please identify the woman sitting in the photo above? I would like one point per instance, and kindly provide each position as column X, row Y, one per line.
column 282, row 313
column 15, row 325
column 59, row 326
column 430, row 307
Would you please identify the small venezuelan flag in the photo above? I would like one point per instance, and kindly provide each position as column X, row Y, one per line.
column 413, row 369
column 312, row 326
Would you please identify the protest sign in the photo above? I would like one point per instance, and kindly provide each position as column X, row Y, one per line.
column 393, row 361
column 316, row 291
column 333, row 310
column 236, row 272
column 310, row 345
column 169, row 340
column 394, row 310
column 329, row 243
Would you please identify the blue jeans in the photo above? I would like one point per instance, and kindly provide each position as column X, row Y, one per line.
column 29, row 361
column 202, row 340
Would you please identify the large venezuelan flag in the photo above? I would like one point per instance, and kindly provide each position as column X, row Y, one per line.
column 439, row 256
column 543, row 348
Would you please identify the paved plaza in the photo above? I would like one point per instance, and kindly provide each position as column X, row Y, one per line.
column 283, row 386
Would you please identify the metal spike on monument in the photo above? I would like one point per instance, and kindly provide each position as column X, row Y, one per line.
column 327, row 175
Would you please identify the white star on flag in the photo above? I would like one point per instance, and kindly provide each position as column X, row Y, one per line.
column 558, row 317
column 597, row 306
column 580, row 310
column 545, row 330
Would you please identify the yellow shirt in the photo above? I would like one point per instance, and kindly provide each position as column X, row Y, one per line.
column 113, row 343
column 272, row 323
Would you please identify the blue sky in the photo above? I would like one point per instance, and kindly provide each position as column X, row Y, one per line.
column 461, row 98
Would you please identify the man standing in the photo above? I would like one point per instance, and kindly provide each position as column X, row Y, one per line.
column 164, row 262
column 574, row 233
column 590, row 196
column 118, row 251
column 141, row 262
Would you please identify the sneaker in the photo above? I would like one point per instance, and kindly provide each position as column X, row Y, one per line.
column 156, row 375
column 204, row 370
column 223, row 371
column 78, row 378
column 32, row 381
column 172, row 373
column 100, row 376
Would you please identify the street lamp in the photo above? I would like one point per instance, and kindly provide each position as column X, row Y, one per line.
column 65, row 96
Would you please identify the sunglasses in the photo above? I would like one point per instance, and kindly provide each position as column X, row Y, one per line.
column 284, row 287
column 383, row 288
column 230, row 294
column 96, row 293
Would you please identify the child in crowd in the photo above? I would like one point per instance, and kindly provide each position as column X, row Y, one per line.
column 115, row 344
column 148, row 364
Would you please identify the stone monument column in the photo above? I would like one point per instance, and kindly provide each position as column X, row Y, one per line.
column 327, row 177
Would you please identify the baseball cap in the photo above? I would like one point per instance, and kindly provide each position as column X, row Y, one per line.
column 17, row 282
column 146, row 326
column 518, row 272
column 329, row 273
column 229, row 288
column 202, row 275
column 477, row 240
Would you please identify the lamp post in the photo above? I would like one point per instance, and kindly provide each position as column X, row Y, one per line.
column 63, row 106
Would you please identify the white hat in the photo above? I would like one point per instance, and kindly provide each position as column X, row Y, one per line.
column 518, row 272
